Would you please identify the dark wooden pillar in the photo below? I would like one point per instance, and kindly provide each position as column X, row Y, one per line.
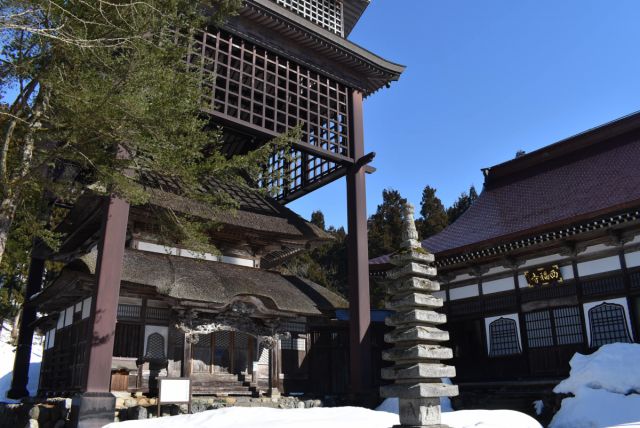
column 274, row 372
column 358, row 259
column 25, row 335
column 95, row 407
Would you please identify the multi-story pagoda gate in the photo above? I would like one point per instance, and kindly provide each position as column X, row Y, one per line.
column 277, row 65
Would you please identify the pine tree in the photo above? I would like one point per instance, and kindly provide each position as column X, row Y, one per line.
column 434, row 217
column 317, row 218
column 102, row 88
column 385, row 226
column 465, row 200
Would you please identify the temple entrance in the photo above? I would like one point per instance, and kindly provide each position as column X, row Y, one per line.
column 223, row 352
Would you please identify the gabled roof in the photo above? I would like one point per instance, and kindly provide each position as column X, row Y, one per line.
column 589, row 175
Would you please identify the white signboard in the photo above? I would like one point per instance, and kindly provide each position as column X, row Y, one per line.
column 175, row 390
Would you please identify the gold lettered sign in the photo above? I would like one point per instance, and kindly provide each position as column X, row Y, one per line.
column 545, row 275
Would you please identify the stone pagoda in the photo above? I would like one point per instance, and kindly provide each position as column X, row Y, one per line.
column 418, row 350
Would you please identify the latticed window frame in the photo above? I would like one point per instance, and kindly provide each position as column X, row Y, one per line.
column 504, row 338
column 603, row 329
column 254, row 87
column 558, row 326
column 152, row 346
column 325, row 13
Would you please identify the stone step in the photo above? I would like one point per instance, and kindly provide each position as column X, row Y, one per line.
column 412, row 269
column 417, row 352
column 414, row 300
column 416, row 333
column 418, row 371
column 415, row 316
column 418, row 390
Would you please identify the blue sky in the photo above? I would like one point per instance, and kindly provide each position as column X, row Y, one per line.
column 484, row 79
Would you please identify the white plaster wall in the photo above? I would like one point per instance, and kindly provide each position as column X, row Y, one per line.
column 68, row 315
column 620, row 301
column 498, row 285
column 496, row 270
column 635, row 240
column 86, row 308
column 566, row 271
column 464, row 292
column 462, row 277
column 593, row 267
column 596, row 248
column 163, row 330
column 488, row 321
column 551, row 259
column 632, row 259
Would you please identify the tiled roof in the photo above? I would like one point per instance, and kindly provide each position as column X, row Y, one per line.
column 581, row 178
column 582, row 184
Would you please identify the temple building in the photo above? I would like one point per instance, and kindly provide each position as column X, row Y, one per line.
column 544, row 264
column 127, row 308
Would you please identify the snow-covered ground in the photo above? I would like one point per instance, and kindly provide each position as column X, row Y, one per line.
column 333, row 417
column 606, row 387
column 7, row 353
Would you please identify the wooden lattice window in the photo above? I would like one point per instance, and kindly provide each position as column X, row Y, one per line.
column 155, row 347
column 503, row 338
column 561, row 326
column 325, row 13
column 608, row 324
column 568, row 325
column 129, row 311
column 539, row 332
column 249, row 85
column 157, row 314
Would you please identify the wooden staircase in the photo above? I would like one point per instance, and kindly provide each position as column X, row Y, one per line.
column 222, row 385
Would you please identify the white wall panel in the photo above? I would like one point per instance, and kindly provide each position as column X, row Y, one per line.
column 622, row 301
column 488, row 321
column 498, row 285
column 464, row 292
column 593, row 267
column 632, row 259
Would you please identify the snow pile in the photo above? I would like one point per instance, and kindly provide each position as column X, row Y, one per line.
column 7, row 353
column 613, row 367
column 257, row 417
column 605, row 385
column 334, row 417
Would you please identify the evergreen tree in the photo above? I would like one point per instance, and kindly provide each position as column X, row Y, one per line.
column 317, row 218
column 102, row 88
column 385, row 226
column 462, row 204
column 325, row 265
column 434, row 217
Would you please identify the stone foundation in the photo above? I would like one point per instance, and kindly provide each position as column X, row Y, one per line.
column 50, row 413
